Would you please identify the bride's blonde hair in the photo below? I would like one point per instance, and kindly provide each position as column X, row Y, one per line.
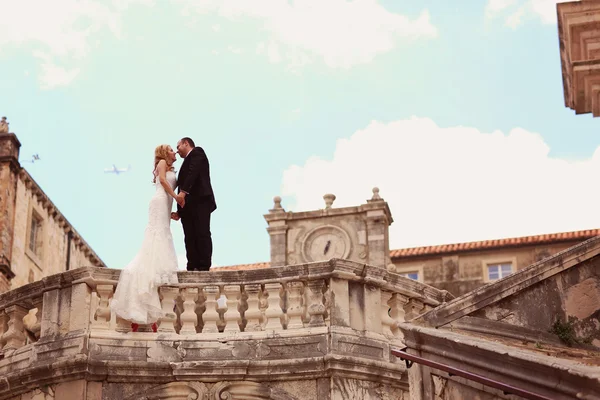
column 161, row 153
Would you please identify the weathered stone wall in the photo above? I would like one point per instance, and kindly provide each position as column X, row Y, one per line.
column 28, row 266
column 572, row 295
column 463, row 272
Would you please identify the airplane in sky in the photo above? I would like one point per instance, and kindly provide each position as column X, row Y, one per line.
column 115, row 170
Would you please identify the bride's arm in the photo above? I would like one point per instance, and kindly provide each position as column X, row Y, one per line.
column 162, row 177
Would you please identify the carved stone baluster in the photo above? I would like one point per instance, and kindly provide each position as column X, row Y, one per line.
column 211, row 315
column 189, row 319
column 387, row 322
column 243, row 307
column 413, row 309
column 397, row 304
column 253, row 314
column 14, row 337
column 232, row 315
column 36, row 328
column 316, row 308
column 3, row 326
column 102, row 313
column 273, row 313
column 295, row 307
column 166, row 323
column 200, row 308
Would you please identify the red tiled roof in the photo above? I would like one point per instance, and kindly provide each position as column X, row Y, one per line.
column 460, row 247
column 496, row 243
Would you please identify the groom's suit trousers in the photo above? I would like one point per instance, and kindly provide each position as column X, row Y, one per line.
column 195, row 219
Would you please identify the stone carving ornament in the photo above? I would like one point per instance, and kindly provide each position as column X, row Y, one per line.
column 241, row 390
column 3, row 125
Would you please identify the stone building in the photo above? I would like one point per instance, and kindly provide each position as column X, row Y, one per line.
column 535, row 333
column 37, row 240
column 361, row 234
column 579, row 38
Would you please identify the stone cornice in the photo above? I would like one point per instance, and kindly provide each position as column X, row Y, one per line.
column 330, row 212
column 579, row 35
column 521, row 280
column 550, row 376
column 54, row 213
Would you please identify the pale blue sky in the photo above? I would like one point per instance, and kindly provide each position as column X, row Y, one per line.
column 86, row 86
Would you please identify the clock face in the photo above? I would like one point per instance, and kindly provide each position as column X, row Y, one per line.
column 325, row 243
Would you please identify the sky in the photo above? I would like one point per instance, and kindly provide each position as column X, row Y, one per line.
column 455, row 110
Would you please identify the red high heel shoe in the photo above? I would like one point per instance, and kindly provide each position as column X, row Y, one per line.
column 134, row 327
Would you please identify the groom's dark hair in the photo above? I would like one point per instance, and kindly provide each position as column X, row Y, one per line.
column 189, row 141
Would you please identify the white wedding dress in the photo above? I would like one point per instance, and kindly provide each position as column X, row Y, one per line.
column 136, row 298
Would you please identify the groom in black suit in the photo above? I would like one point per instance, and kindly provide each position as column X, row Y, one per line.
column 195, row 203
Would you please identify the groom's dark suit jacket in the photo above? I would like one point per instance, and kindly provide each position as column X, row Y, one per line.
column 194, row 179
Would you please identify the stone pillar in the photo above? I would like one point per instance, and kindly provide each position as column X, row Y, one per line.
column 9, row 175
column 276, row 218
column 379, row 218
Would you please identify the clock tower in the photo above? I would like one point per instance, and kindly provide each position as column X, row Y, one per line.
column 359, row 233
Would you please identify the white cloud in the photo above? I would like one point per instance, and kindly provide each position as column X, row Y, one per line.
column 341, row 33
column 514, row 12
column 52, row 75
column 59, row 30
column 455, row 184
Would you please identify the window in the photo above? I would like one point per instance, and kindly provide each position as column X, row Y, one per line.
column 35, row 234
column 411, row 271
column 498, row 271
column 414, row 275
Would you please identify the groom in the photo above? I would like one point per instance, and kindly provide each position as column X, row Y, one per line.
column 195, row 203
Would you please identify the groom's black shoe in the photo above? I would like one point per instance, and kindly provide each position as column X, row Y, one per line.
column 201, row 268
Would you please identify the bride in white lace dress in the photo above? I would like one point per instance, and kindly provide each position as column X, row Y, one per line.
column 136, row 298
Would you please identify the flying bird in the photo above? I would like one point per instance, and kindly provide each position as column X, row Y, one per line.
column 115, row 170
column 35, row 157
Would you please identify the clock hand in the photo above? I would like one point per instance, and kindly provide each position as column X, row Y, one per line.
column 327, row 247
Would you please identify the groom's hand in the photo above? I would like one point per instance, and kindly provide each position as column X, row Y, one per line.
column 180, row 199
column 175, row 216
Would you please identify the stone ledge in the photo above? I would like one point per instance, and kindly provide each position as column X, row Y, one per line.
column 549, row 376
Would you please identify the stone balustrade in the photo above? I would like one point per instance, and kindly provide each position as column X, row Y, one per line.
column 308, row 311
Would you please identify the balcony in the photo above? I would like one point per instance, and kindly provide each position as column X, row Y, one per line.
column 319, row 330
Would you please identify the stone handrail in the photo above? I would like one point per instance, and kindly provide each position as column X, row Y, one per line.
column 334, row 293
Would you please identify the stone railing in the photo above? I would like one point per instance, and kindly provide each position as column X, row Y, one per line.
column 68, row 317
column 338, row 292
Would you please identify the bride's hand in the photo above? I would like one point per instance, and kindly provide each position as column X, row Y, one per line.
column 175, row 216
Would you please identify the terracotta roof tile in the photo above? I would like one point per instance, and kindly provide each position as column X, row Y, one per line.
column 495, row 243
column 457, row 247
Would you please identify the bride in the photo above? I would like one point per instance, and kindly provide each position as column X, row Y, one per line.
column 136, row 298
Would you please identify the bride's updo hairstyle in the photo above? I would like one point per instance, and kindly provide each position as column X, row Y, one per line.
column 161, row 153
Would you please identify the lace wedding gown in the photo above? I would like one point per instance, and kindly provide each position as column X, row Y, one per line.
column 136, row 298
